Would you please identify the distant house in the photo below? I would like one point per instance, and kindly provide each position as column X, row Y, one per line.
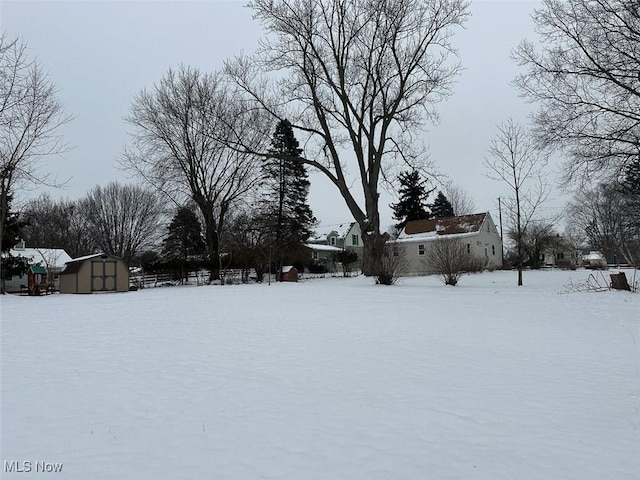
column 594, row 259
column 95, row 273
column 51, row 259
column 334, row 238
column 477, row 233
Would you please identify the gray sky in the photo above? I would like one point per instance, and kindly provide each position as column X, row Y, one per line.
column 100, row 54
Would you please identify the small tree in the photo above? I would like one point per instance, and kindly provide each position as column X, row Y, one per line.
column 184, row 239
column 11, row 265
column 393, row 265
column 448, row 258
column 441, row 207
column 412, row 203
column 516, row 160
column 345, row 258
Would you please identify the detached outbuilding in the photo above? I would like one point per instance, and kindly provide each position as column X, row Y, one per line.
column 289, row 273
column 95, row 273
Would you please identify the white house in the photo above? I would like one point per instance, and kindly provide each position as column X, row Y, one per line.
column 334, row 238
column 477, row 233
column 53, row 259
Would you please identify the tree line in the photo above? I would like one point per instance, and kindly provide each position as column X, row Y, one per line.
column 357, row 81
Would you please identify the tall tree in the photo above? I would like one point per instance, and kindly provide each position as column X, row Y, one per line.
column 179, row 146
column 515, row 160
column 286, row 214
column 583, row 73
column 123, row 219
column 412, row 203
column 441, row 207
column 30, row 119
column 184, row 238
column 359, row 78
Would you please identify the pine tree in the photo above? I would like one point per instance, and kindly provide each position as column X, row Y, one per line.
column 12, row 266
column 286, row 215
column 184, row 238
column 441, row 207
column 412, row 203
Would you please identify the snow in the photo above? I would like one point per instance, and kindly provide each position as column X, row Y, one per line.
column 327, row 379
column 322, row 248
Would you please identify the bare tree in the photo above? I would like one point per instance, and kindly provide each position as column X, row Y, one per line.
column 30, row 118
column 583, row 73
column 602, row 214
column 56, row 224
column 124, row 220
column 515, row 160
column 448, row 258
column 358, row 78
column 182, row 128
column 460, row 199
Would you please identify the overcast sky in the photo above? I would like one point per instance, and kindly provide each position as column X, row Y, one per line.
column 100, row 54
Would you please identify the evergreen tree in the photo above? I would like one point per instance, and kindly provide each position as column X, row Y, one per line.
column 412, row 203
column 11, row 266
column 184, row 238
column 441, row 207
column 286, row 215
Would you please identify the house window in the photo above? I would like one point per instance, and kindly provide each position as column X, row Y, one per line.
column 395, row 251
column 314, row 254
column 332, row 240
column 486, row 252
column 560, row 256
column 354, row 240
column 468, row 248
column 420, row 249
column 493, row 250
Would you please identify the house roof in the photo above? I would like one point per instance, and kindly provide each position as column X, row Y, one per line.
column 463, row 225
column 53, row 257
column 322, row 248
column 323, row 231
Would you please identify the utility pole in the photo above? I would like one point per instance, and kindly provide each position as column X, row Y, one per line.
column 501, row 237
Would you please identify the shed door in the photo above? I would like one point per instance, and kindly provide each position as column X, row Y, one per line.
column 103, row 275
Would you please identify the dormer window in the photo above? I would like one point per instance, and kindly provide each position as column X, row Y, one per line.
column 332, row 241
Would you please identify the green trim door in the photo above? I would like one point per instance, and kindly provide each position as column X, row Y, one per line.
column 104, row 276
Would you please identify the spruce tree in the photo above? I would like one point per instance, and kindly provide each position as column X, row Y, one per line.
column 286, row 215
column 184, row 238
column 412, row 202
column 441, row 207
column 11, row 266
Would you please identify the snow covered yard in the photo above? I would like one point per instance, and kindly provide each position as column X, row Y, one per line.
column 326, row 379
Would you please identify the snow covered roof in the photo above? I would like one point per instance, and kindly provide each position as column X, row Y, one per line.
column 52, row 257
column 322, row 248
column 462, row 226
column 86, row 257
column 323, row 231
column 593, row 256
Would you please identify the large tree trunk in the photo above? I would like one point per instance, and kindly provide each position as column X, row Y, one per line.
column 211, row 238
column 373, row 243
